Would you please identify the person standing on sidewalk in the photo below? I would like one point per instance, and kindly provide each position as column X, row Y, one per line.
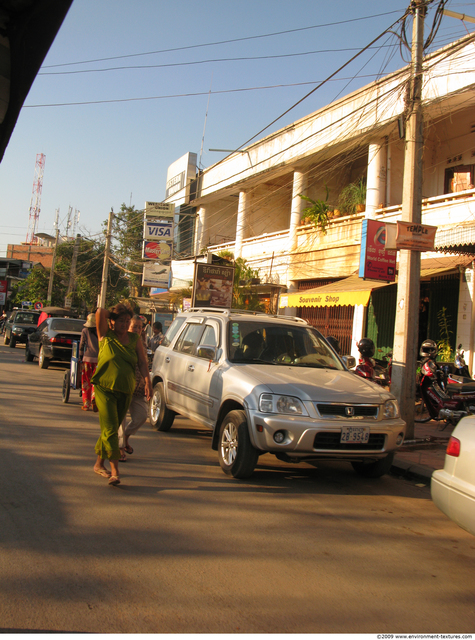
column 138, row 407
column 88, row 352
column 114, row 382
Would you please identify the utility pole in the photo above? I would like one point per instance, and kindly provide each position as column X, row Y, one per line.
column 101, row 302
column 51, row 275
column 405, row 351
column 72, row 275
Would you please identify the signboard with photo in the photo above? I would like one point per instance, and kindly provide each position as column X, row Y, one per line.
column 155, row 275
column 213, row 286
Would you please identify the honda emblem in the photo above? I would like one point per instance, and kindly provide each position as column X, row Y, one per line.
column 349, row 412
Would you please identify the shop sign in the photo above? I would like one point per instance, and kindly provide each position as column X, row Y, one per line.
column 159, row 209
column 416, row 237
column 376, row 262
column 158, row 230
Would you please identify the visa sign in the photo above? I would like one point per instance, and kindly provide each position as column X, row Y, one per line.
column 161, row 229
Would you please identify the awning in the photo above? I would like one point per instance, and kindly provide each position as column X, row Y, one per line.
column 349, row 291
column 354, row 290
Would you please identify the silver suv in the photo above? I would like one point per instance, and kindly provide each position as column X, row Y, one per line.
column 271, row 384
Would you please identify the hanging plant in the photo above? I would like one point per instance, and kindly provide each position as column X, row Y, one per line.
column 317, row 212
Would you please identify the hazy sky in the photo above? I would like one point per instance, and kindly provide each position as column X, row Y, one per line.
column 143, row 112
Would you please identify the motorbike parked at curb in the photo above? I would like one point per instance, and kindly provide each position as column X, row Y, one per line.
column 441, row 399
column 368, row 367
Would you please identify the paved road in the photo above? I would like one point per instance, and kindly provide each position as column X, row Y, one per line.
column 179, row 547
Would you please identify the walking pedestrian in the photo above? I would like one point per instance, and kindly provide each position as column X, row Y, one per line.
column 157, row 337
column 114, row 382
column 138, row 408
column 88, row 352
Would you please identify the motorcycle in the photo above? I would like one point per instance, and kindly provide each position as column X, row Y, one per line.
column 368, row 367
column 442, row 400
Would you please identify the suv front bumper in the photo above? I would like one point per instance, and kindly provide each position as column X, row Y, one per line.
column 307, row 437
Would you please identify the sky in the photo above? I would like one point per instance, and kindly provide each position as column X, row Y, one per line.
column 130, row 86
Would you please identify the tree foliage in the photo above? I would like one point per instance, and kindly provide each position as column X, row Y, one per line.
column 127, row 232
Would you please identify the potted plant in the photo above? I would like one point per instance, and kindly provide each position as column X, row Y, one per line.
column 353, row 197
column 317, row 212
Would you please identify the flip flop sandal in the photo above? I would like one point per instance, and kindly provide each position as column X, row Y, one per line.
column 128, row 449
column 103, row 472
column 114, row 480
column 123, row 458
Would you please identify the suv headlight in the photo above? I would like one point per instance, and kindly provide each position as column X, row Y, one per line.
column 271, row 403
column 390, row 410
column 17, row 330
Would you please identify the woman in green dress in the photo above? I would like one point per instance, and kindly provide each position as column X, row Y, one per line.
column 114, row 382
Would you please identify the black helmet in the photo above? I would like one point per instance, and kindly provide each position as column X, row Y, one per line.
column 334, row 343
column 428, row 349
column 366, row 347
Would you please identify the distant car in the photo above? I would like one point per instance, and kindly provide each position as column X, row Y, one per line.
column 453, row 487
column 53, row 339
column 268, row 384
column 18, row 327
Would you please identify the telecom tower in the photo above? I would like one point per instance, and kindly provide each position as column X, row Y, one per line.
column 35, row 203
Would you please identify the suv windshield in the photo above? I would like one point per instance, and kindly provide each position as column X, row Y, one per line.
column 27, row 318
column 297, row 345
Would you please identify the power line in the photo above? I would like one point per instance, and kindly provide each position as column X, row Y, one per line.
column 209, row 44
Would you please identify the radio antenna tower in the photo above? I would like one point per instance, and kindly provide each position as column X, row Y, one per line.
column 35, row 203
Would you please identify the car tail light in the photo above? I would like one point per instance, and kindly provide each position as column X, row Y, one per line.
column 453, row 447
column 61, row 340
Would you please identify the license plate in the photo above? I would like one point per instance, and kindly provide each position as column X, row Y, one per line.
column 355, row 435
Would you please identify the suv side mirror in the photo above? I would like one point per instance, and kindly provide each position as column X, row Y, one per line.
column 349, row 361
column 207, row 353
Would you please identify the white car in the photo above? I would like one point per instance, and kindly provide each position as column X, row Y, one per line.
column 453, row 487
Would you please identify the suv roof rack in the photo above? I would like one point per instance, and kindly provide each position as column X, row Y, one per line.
column 228, row 312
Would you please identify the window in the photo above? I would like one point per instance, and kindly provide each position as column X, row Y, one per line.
column 172, row 331
column 190, row 336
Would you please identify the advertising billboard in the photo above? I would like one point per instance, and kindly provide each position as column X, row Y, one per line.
column 158, row 251
column 213, row 286
column 159, row 209
column 155, row 275
column 376, row 262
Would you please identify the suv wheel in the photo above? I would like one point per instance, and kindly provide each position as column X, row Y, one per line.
column 237, row 456
column 42, row 360
column 12, row 342
column 161, row 418
column 28, row 355
column 374, row 469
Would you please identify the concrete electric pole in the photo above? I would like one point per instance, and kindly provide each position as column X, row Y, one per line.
column 405, row 351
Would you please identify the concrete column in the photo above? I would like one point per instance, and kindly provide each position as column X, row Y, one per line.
column 359, row 321
column 299, row 186
column 241, row 223
column 201, row 230
column 375, row 180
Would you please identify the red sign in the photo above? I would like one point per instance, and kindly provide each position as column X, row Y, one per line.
column 376, row 262
column 161, row 251
column 3, row 286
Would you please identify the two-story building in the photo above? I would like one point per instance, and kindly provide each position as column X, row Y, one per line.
column 250, row 203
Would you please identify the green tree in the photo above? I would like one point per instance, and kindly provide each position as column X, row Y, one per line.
column 35, row 288
column 244, row 297
column 127, row 232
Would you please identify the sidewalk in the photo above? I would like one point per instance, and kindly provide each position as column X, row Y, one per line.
column 422, row 458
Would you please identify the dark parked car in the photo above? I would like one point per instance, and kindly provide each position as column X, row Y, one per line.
column 53, row 340
column 18, row 327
